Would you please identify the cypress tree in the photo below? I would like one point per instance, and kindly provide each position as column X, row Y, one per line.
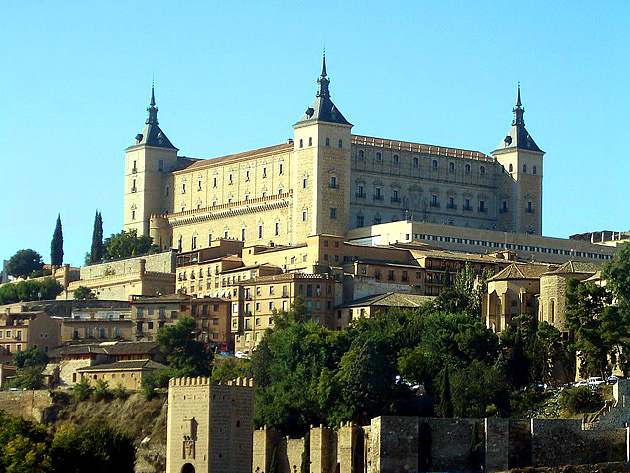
column 96, row 251
column 56, row 245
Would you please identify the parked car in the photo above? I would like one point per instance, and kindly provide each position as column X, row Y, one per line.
column 595, row 381
column 612, row 379
column 581, row 383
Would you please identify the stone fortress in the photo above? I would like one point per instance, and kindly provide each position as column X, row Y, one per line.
column 210, row 428
column 327, row 180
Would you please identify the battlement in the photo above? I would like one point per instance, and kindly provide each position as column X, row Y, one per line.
column 205, row 381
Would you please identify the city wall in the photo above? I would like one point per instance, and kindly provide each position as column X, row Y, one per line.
column 412, row 444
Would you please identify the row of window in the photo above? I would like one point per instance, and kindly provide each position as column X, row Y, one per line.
column 378, row 157
column 134, row 166
column 534, row 169
column 510, row 246
column 326, row 142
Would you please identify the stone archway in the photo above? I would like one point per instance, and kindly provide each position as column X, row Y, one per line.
column 188, row 468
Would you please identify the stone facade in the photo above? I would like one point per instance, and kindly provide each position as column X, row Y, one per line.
column 327, row 180
column 399, row 444
column 209, row 427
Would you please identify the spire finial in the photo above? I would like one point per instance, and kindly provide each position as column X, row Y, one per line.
column 152, row 109
column 323, row 80
column 518, row 95
column 518, row 108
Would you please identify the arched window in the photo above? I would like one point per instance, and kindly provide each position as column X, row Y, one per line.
column 416, row 162
column 304, row 182
column 361, row 153
column 379, row 157
column 482, row 170
column 301, row 143
column 435, row 164
column 395, row 159
column 333, row 182
column 451, row 167
column 340, row 144
column 524, row 167
column 467, row 168
column 511, row 168
column 260, row 230
column 327, row 141
column 534, row 170
column 310, row 141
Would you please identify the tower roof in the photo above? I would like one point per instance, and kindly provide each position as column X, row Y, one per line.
column 152, row 135
column 518, row 137
column 323, row 109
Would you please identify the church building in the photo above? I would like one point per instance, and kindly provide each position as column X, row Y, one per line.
column 327, row 180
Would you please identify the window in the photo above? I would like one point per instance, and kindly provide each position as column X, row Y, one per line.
column 281, row 170
column 133, row 214
column 166, row 191
column 247, row 195
column 482, row 206
column 333, row 213
column 264, row 170
column 395, row 195
column 184, row 187
column 434, row 200
column 242, row 234
column 377, row 193
column 340, row 144
column 451, row 203
column 524, row 168
column 247, row 175
column 301, row 143
column 534, row 170
column 467, row 169
column 276, row 229
column 194, row 242
column 304, row 215
column 504, row 207
column 310, row 141
column 360, row 191
column 199, row 183
column 134, row 168
column 333, row 182
column 530, row 208
column 226, row 233
column 511, row 168
column 160, row 165
column 435, row 164
column 395, row 159
column 360, row 220
column 379, row 157
column 264, row 193
column 416, row 162
column 361, row 154
column 280, row 191
column 260, row 230
column 230, row 176
column 482, row 170
column 451, row 167
column 304, row 182
column 327, row 142
column 214, row 182
column 467, row 204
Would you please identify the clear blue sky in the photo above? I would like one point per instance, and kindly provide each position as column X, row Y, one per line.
column 232, row 76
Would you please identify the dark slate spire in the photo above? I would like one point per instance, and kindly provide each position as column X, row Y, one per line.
column 323, row 109
column 152, row 135
column 518, row 137
column 152, row 109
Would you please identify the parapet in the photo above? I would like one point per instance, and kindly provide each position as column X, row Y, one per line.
column 205, row 381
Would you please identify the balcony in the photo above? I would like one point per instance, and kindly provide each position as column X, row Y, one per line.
column 503, row 210
column 483, row 210
column 134, row 170
column 451, row 206
column 134, row 189
column 378, row 197
column 333, row 185
column 467, row 208
column 359, row 195
column 435, row 204
column 395, row 199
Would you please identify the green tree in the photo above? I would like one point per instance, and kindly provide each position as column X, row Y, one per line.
column 229, row 368
column 82, row 390
column 29, row 377
column 30, row 357
column 83, row 293
column 8, row 294
column 446, row 400
column 598, row 327
column 24, row 262
column 101, row 390
column 184, row 353
column 617, row 276
column 96, row 250
column 56, row 245
column 24, row 446
column 95, row 448
column 478, row 387
column 47, row 289
column 126, row 244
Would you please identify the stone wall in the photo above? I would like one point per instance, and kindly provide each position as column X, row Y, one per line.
column 159, row 263
column 412, row 444
column 27, row 404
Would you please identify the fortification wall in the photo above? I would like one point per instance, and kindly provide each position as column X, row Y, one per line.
column 27, row 404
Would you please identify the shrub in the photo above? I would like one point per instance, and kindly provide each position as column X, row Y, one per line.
column 119, row 392
column 580, row 399
column 101, row 391
column 82, row 390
